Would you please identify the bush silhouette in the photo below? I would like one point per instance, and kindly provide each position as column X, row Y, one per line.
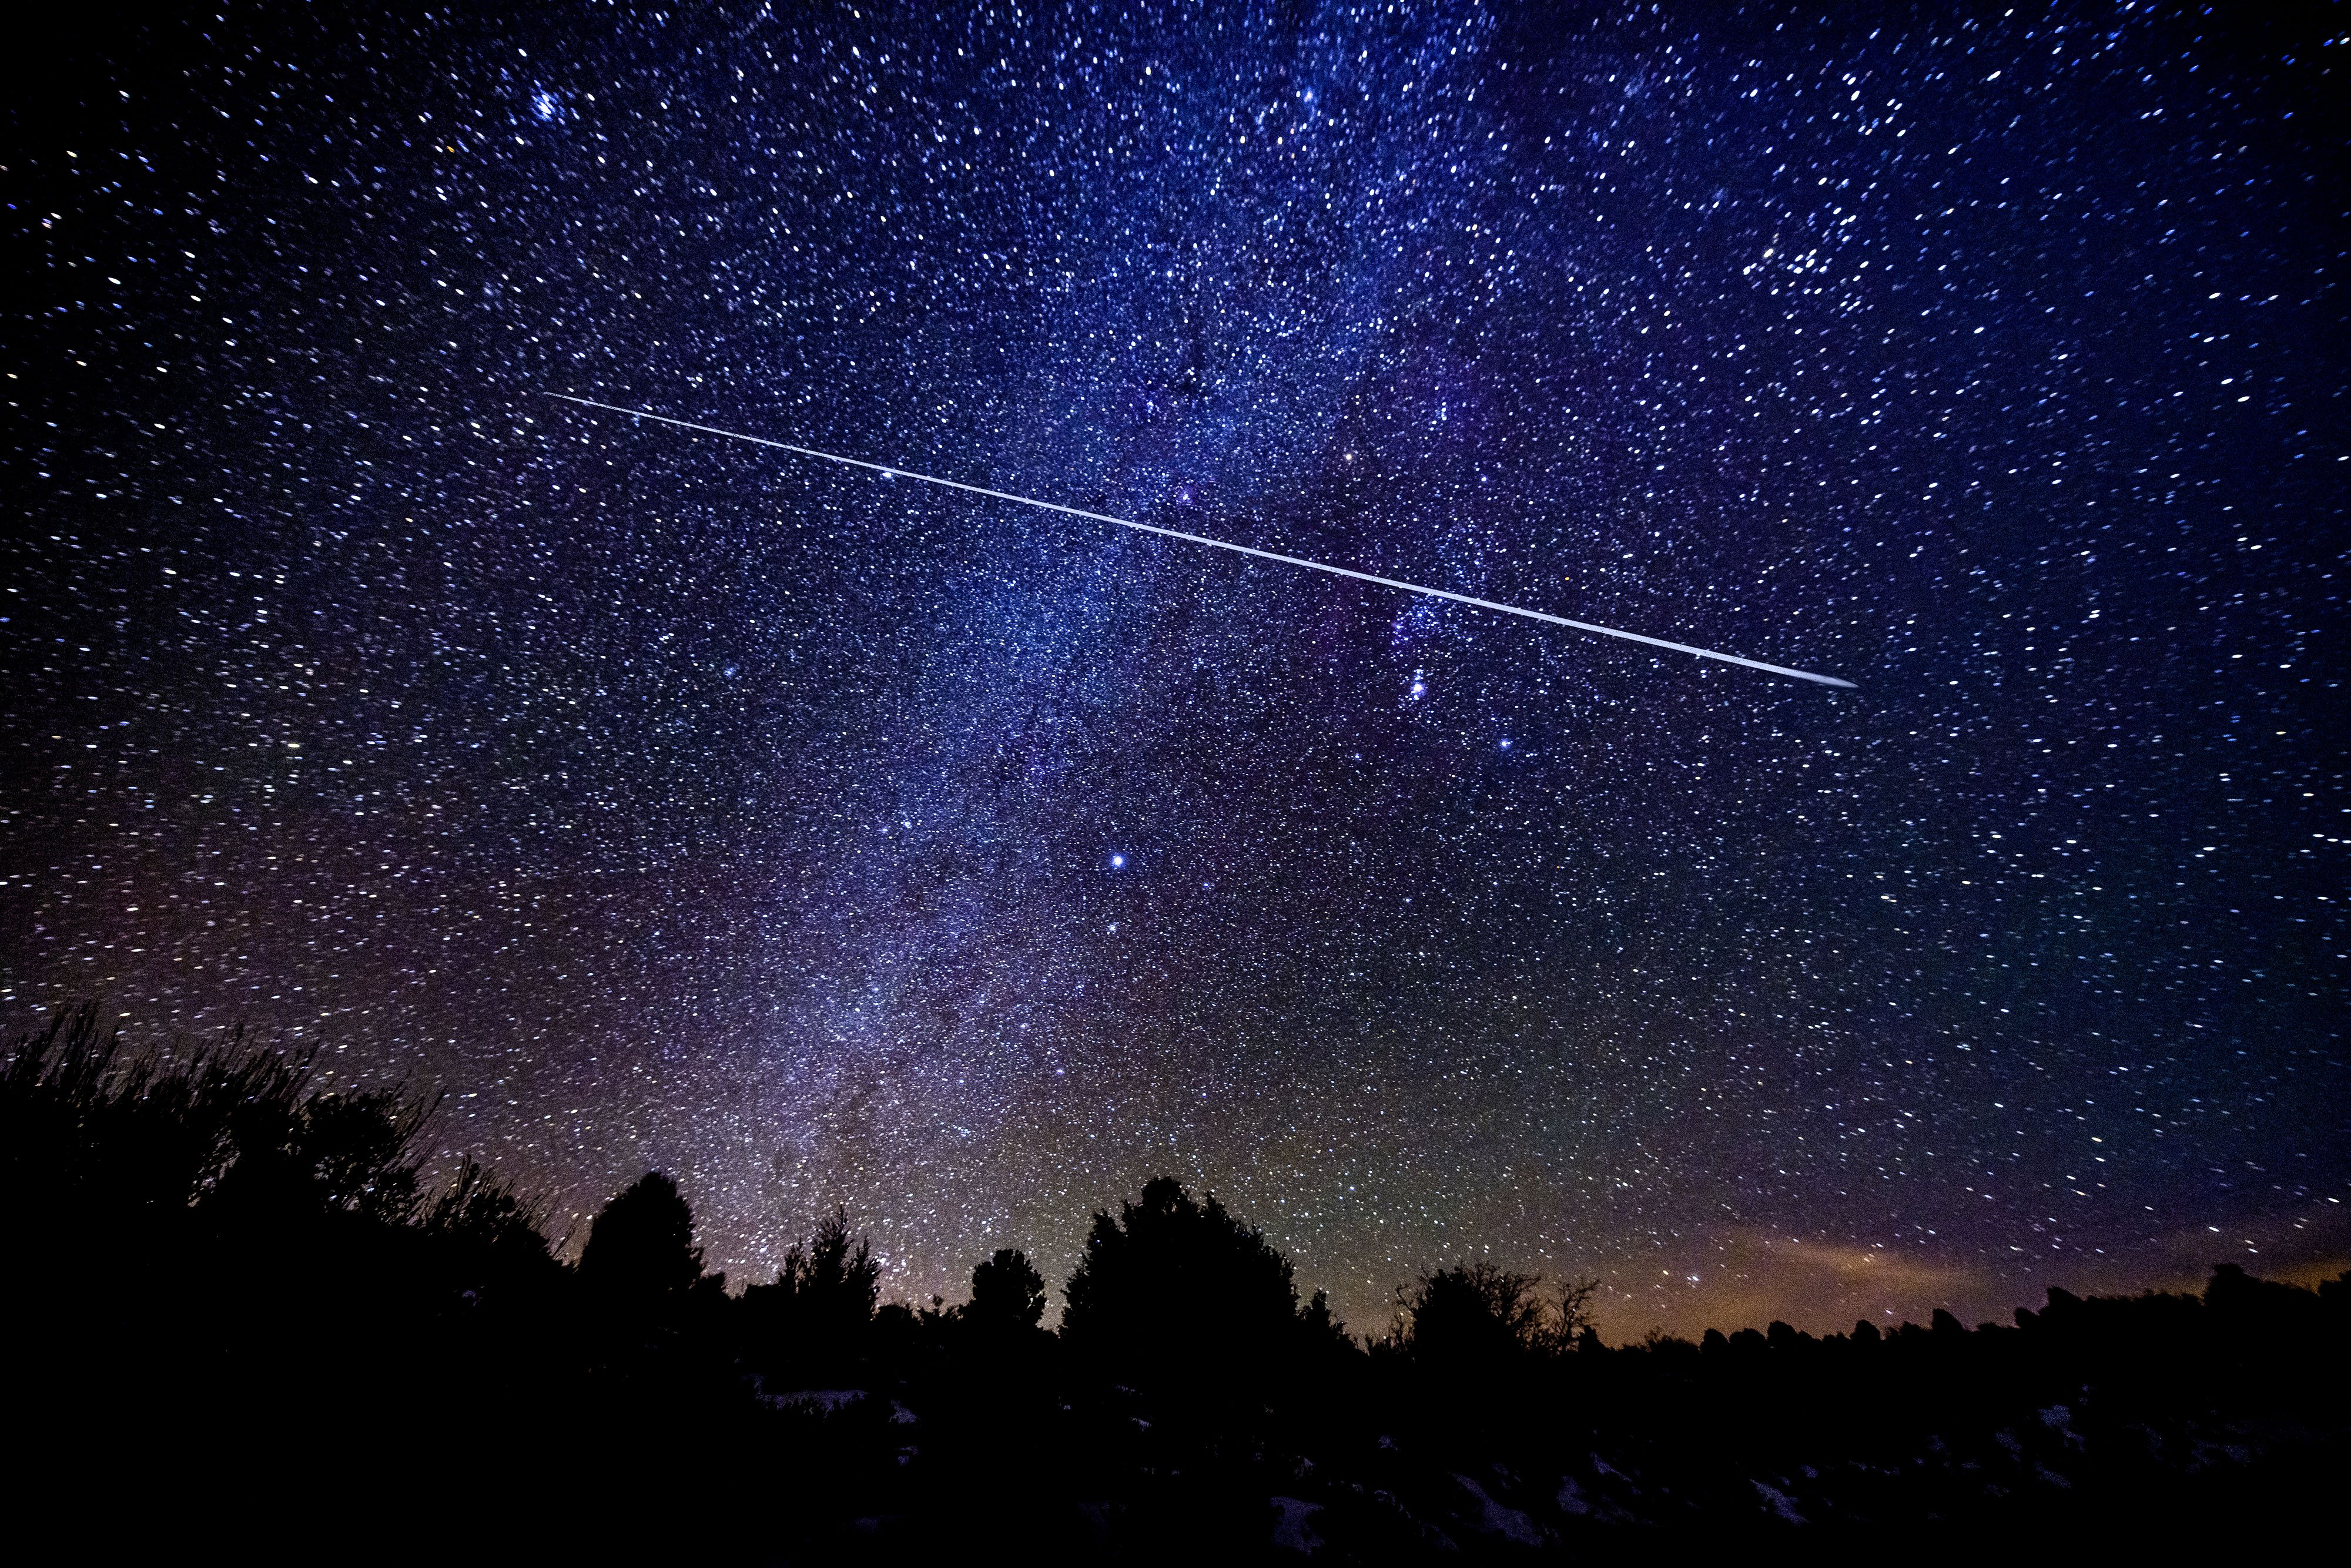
column 289, row 1252
column 487, row 1240
column 228, row 1141
column 2237, row 1303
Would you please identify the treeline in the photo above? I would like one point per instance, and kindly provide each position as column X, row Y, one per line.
column 242, row 1312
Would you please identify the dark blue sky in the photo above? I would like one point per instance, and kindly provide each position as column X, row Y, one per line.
column 822, row 838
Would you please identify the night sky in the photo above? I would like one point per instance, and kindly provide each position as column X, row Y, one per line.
column 824, row 838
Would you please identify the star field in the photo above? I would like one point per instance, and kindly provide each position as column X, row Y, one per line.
column 822, row 836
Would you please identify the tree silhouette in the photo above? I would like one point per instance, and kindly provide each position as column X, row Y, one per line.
column 812, row 1320
column 641, row 1247
column 1571, row 1322
column 1323, row 1331
column 1471, row 1314
column 303, row 1291
column 1007, row 1293
column 1175, row 1289
column 1476, row 1314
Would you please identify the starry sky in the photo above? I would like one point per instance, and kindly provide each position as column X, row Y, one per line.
column 825, row 838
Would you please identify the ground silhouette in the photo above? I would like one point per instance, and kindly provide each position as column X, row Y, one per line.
column 246, row 1315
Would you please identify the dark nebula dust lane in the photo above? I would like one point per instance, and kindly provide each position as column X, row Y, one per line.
column 823, row 837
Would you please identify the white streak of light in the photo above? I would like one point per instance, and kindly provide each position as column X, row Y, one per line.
column 895, row 472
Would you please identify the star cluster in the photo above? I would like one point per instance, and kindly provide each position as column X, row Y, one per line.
column 825, row 837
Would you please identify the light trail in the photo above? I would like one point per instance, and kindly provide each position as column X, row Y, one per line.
column 891, row 471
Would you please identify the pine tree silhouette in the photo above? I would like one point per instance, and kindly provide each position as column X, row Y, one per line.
column 640, row 1247
column 1175, row 1292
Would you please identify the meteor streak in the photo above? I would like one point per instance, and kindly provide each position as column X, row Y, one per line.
column 891, row 471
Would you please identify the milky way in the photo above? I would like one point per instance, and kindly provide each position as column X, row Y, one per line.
column 901, row 473
column 822, row 838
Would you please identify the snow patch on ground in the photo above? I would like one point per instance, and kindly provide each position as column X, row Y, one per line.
column 1601, row 1467
column 2059, row 1420
column 1294, row 1531
column 829, row 1400
column 1780, row 1503
column 1494, row 1519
